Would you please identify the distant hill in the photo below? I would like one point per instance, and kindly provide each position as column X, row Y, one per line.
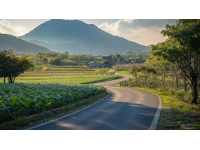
column 9, row 42
column 77, row 37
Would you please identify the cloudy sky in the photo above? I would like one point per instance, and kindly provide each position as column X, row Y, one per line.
column 143, row 31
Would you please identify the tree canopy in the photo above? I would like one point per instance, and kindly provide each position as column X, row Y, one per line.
column 12, row 66
column 182, row 48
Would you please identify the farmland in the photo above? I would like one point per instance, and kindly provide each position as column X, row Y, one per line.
column 19, row 100
column 41, row 91
column 72, row 79
column 66, row 75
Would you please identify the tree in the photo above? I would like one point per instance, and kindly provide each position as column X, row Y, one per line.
column 12, row 66
column 134, row 71
column 2, row 75
column 147, row 71
column 55, row 61
column 160, row 65
column 5, row 57
column 105, row 62
column 182, row 48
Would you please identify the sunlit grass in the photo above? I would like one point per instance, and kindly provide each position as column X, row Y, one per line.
column 128, row 72
column 177, row 111
column 74, row 79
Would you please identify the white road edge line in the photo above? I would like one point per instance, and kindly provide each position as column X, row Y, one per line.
column 154, row 123
column 69, row 114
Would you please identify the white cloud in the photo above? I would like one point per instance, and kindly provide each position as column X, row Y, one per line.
column 7, row 28
column 110, row 28
column 145, row 32
column 116, row 28
column 128, row 20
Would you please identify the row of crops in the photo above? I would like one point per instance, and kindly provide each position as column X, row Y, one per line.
column 18, row 100
column 74, row 79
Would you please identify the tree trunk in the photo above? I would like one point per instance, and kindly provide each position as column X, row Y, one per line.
column 194, row 90
column 164, row 77
column 11, row 79
column 4, row 79
column 185, row 85
column 177, row 85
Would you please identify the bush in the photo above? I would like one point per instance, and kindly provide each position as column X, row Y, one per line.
column 55, row 61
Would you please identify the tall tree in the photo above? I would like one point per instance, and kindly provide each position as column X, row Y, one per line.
column 182, row 48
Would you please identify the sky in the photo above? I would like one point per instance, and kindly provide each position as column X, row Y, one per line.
column 143, row 31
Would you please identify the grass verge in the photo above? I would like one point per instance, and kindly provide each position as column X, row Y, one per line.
column 27, row 122
column 177, row 112
column 127, row 72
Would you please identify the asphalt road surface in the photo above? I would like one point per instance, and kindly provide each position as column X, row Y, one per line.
column 124, row 109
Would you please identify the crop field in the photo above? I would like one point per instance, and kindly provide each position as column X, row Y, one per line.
column 56, row 73
column 37, row 92
column 65, row 79
column 66, row 75
column 60, row 71
column 70, row 79
column 18, row 100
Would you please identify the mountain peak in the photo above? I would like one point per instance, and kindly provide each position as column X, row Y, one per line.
column 63, row 20
column 56, row 20
column 78, row 37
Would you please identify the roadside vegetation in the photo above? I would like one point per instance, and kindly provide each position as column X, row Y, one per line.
column 173, row 72
column 177, row 112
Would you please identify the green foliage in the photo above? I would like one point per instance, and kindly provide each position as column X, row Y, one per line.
column 12, row 66
column 59, row 59
column 143, row 55
column 55, row 61
column 19, row 100
column 146, row 70
column 21, row 122
column 177, row 112
column 70, row 79
column 182, row 48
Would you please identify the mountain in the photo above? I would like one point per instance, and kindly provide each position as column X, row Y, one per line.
column 9, row 42
column 77, row 37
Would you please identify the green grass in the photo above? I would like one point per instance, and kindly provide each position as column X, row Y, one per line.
column 128, row 72
column 177, row 112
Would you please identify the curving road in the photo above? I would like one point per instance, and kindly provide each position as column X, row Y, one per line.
column 124, row 109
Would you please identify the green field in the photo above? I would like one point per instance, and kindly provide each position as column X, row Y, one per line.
column 38, row 92
column 66, row 75
column 70, row 79
column 19, row 100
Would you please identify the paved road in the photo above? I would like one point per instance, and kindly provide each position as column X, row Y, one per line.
column 124, row 109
